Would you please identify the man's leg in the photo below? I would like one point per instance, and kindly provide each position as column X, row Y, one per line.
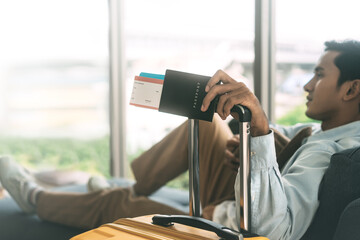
column 74, row 209
column 90, row 210
column 162, row 162
column 94, row 209
column 169, row 158
column 216, row 179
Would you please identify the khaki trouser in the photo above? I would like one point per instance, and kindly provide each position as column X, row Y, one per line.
column 153, row 169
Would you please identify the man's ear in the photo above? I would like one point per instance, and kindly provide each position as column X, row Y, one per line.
column 353, row 90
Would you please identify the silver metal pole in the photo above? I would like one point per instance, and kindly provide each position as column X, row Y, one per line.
column 264, row 61
column 117, row 90
column 244, row 173
column 194, row 180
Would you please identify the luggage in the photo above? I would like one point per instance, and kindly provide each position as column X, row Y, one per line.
column 142, row 228
column 166, row 227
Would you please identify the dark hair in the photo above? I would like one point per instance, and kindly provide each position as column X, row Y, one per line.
column 348, row 62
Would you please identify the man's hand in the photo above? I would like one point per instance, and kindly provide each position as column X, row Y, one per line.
column 232, row 153
column 231, row 93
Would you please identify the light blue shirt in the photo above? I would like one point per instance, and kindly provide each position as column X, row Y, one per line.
column 284, row 204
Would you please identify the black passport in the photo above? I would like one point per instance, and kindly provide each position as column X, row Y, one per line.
column 183, row 93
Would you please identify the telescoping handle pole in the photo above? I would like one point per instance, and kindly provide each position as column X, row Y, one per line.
column 244, row 116
column 194, row 180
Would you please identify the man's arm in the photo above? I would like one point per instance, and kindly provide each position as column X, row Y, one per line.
column 281, row 206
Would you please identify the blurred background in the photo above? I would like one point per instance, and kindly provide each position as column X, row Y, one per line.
column 55, row 78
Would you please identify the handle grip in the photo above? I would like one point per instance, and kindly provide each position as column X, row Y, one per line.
column 220, row 230
column 243, row 112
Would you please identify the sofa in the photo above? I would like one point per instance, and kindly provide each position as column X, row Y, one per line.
column 16, row 225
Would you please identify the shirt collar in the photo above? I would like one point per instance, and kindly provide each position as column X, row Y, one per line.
column 348, row 130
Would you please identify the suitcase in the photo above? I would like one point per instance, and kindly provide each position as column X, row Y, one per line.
column 166, row 227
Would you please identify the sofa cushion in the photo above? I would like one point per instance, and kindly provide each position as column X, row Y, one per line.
column 16, row 225
column 339, row 187
column 348, row 227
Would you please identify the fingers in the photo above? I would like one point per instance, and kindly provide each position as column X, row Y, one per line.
column 232, row 152
column 231, row 160
column 233, row 142
column 219, row 76
column 230, row 91
column 215, row 91
column 232, row 166
column 213, row 88
column 238, row 94
column 232, row 155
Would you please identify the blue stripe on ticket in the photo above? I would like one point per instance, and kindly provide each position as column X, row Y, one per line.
column 152, row 75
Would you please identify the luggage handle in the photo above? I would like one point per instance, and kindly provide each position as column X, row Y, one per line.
column 244, row 118
column 220, row 230
column 244, row 114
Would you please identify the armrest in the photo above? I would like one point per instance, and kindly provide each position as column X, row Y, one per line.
column 348, row 226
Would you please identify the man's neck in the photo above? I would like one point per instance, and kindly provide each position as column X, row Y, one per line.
column 330, row 125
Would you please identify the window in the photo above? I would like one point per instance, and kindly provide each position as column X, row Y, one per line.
column 193, row 36
column 54, row 84
column 300, row 39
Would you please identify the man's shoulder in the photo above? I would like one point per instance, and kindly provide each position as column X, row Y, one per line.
column 291, row 131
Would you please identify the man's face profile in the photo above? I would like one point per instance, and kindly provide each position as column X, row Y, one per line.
column 324, row 95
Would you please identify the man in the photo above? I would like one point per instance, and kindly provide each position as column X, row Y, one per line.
column 283, row 204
